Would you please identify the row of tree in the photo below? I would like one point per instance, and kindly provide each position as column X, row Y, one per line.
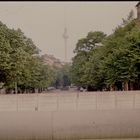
column 109, row 62
column 62, row 77
column 21, row 67
column 101, row 62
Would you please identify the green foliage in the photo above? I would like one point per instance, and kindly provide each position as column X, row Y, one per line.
column 122, row 56
column 84, row 66
column 89, row 43
column 116, row 61
column 129, row 19
column 20, row 61
column 63, row 76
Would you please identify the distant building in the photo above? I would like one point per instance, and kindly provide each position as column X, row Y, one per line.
column 52, row 61
column 138, row 14
column 138, row 10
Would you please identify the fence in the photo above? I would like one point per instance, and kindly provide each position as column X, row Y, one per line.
column 71, row 101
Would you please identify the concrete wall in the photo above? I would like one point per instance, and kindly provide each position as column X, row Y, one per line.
column 71, row 101
column 70, row 116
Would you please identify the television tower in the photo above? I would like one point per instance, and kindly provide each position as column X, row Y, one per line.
column 65, row 35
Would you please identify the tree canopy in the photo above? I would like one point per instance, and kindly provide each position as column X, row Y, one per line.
column 20, row 61
column 116, row 62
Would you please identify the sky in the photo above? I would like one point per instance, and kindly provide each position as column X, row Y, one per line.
column 44, row 22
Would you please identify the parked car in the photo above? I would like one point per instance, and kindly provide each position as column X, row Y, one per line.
column 50, row 88
column 81, row 89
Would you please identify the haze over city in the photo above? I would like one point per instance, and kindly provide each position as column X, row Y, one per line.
column 44, row 22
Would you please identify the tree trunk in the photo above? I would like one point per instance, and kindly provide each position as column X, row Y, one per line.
column 16, row 88
column 131, row 86
column 112, row 88
column 125, row 85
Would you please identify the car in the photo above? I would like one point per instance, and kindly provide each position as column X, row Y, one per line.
column 50, row 88
column 81, row 89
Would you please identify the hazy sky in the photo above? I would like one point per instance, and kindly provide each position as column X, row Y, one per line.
column 44, row 21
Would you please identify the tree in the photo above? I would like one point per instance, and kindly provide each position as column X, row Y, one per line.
column 82, row 66
column 122, row 55
column 115, row 64
column 21, row 67
column 63, row 76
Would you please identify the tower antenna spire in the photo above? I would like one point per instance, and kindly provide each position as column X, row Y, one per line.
column 65, row 34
